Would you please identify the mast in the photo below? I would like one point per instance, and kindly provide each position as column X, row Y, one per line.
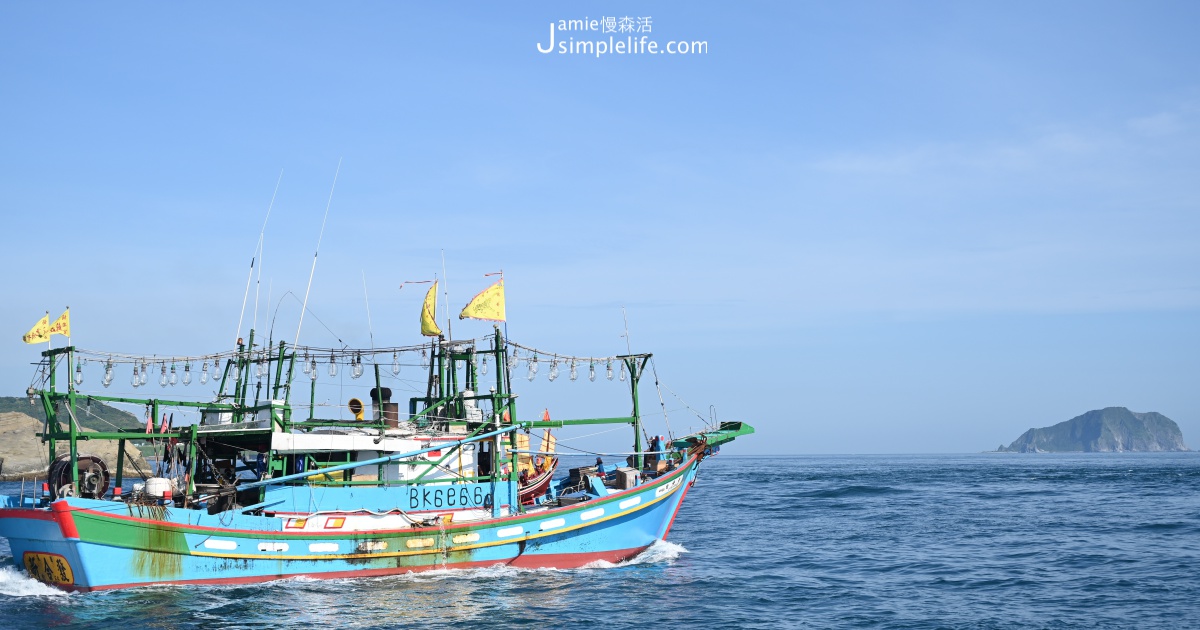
column 636, row 365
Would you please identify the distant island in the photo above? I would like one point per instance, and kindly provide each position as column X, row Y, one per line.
column 1110, row 430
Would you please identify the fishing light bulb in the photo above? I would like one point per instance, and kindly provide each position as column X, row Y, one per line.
column 136, row 380
column 204, row 373
column 312, row 369
column 187, row 374
column 533, row 367
column 237, row 372
column 78, row 374
column 145, row 373
column 332, row 365
column 305, row 365
column 108, row 374
column 424, row 357
column 512, row 359
column 592, row 371
column 622, row 377
column 174, row 378
column 162, row 378
column 357, row 369
column 395, row 364
column 553, row 369
column 608, row 370
column 574, row 371
column 483, row 367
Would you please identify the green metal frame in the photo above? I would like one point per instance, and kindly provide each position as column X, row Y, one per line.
column 444, row 389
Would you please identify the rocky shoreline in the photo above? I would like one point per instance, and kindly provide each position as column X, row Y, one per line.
column 25, row 457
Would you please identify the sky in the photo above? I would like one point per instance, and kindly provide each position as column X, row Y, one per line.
column 862, row 227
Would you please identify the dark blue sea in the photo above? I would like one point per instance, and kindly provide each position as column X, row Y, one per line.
column 924, row 541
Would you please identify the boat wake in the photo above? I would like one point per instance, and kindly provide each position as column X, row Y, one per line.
column 659, row 552
column 13, row 583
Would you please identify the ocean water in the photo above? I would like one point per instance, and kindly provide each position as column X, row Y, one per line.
column 923, row 541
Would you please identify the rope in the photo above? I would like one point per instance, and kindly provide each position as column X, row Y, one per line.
column 661, row 402
column 579, row 437
column 689, row 407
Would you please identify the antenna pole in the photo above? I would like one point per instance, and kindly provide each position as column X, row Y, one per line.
column 320, row 236
column 257, row 255
column 446, row 294
column 249, row 277
column 506, row 315
column 370, row 330
column 628, row 345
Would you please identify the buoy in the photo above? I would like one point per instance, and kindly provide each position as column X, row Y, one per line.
column 117, row 493
column 166, row 497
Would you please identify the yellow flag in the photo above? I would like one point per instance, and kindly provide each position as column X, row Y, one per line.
column 429, row 326
column 40, row 333
column 62, row 325
column 489, row 304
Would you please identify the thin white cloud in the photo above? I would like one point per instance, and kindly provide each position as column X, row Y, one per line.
column 1158, row 125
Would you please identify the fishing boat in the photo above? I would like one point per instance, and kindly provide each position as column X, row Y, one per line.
column 258, row 489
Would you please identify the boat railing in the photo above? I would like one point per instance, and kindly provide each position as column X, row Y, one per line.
column 378, row 460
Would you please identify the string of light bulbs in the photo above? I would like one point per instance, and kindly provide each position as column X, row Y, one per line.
column 534, row 356
column 173, row 369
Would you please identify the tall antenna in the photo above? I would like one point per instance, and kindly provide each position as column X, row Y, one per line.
column 257, row 281
column 370, row 330
column 270, row 287
column 304, row 304
column 257, row 255
column 628, row 345
column 446, row 294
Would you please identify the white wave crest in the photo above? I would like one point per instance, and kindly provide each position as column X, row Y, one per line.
column 14, row 583
column 599, row 564
column 660, row 551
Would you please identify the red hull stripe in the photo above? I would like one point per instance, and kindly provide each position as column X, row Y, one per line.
column 573, row 560
column 29, row 513
column 532, row 561
column 676, row 512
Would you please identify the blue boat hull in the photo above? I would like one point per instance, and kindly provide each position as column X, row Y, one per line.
column 86, row 545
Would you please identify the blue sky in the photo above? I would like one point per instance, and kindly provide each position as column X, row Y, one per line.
column 862, row 227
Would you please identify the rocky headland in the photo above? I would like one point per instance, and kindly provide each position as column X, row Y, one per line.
column 25, row 456
column 1110, row 430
